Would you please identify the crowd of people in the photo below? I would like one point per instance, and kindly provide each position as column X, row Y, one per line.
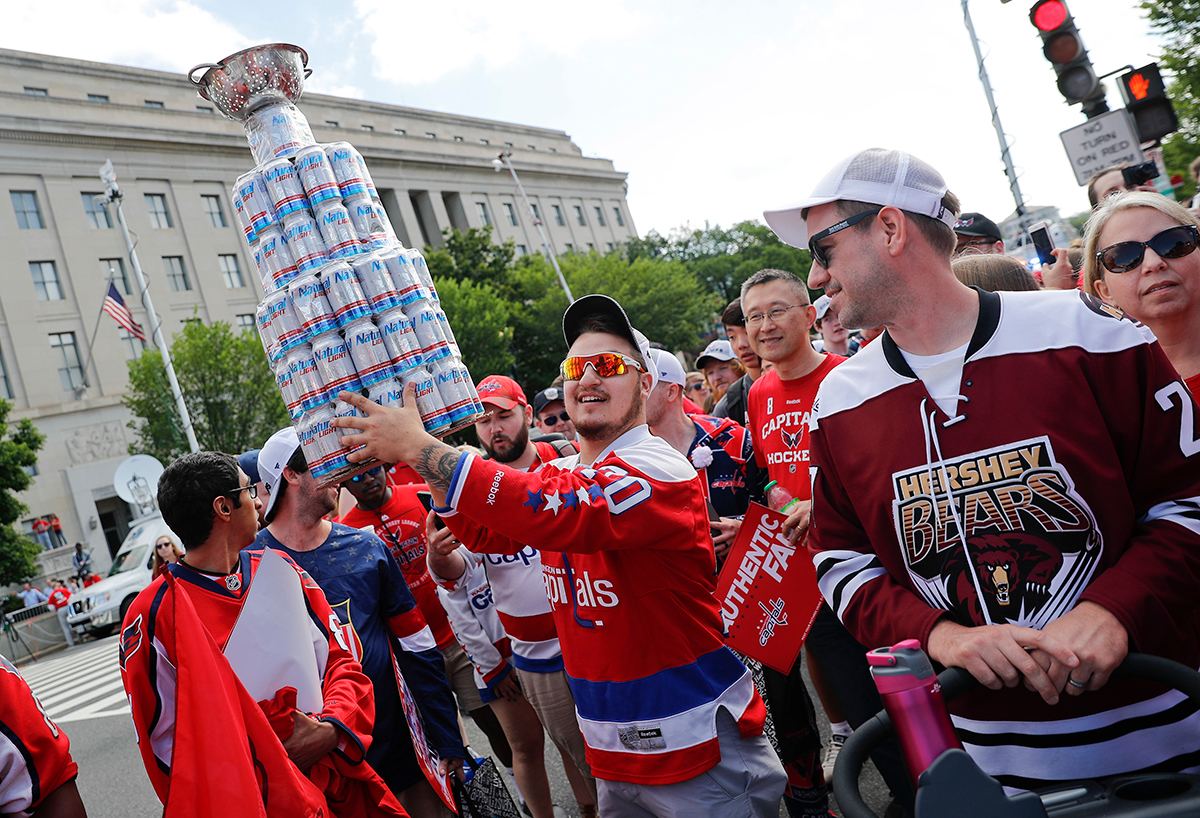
column 1000, row 467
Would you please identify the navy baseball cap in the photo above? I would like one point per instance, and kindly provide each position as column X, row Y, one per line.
column 249, row 463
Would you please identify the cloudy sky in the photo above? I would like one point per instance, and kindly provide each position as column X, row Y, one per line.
column 715, row 110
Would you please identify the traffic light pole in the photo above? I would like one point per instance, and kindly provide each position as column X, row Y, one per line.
column 1005, row 154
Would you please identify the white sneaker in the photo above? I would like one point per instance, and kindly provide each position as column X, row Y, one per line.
column 832, row 750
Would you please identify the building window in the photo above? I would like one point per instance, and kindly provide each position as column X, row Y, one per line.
column 160, row 217
column 579, row 217
column 151, row 103
column 531, row 147
column 599, row 216
column 521, row 250
column 400, row 132
column 134, row 345
column 484, row 218
column 558, row 216
column 332, row 123
column 5, row 385
column 610, row 246
column 176, row 273
column 45, row 281
column 591, row 247
column 97, row 97
column 484, row 142
column 617, row 216
column 430, row 135
column 510, row 213
column 458, row 139
column 367, row 127
column 97, row 214
column 230, row 271
column 205, row 109
column 25, row 203
column 114, row 269
column 245, row 321
column 537, row 214
column 36, row 92
column 212, row 206
column 508, row 144
column 553, row 150
column 70, row 373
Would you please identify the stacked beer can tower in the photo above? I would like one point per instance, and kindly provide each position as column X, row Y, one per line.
column 347, row 306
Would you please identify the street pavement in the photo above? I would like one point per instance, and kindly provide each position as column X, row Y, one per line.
column 80, row 688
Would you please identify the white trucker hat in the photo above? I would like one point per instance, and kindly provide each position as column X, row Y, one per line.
column 888, row 178
column 668, row 366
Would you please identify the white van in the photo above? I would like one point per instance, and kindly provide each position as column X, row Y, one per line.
column 100, row 608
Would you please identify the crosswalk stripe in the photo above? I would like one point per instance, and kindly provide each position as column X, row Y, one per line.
column 86, row 684
column 71, row 677
column 58, row 666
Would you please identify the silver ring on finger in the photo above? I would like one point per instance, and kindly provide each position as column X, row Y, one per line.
column 1075, row 684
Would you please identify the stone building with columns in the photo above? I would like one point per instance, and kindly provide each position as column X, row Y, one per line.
column 63, row 363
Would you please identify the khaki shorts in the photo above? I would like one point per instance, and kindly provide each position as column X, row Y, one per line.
column 555, row 707
column 461, row 676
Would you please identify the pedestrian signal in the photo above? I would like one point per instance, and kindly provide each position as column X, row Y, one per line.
column 1146, row 98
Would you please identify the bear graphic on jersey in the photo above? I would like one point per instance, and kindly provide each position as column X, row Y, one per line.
column 1013, row 569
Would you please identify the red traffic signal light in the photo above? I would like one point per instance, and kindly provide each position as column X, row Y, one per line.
column 1063, row 47
column 1049, row 15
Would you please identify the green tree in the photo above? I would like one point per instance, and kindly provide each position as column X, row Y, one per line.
column 227, row 385
column 472, row 256
column 1178, row 21
column 18, row 452
column 480, row 320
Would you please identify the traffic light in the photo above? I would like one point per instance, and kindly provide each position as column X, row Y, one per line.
column 1063, row 47
column 1146, row 98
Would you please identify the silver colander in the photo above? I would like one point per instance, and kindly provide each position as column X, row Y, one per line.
column 246, row 81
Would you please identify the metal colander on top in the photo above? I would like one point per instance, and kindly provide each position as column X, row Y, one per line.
column 246, row 81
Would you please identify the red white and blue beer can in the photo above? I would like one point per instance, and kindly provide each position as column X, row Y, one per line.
column 376, row 282
column 344, row 160
column 401, row 342
column 341, row 239
column 345, row 409
column 273, row 253
column 285, row 325
column 335, row 364
column 422, row 270
column 256, row 200
column 321, row 443
column 316, row 175
column 428, row 329
column 290, row 391
column 449, row 333
column 307, row 377
column 266, row 333
column 369, row 219
column 308, row 303
column 243, row 215
column 368, row 352
column 305, row 242
column 404, row 277
column 453, row 388
column 283, row 183
column 344, row 293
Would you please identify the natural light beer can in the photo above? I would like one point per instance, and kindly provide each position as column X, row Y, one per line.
column 320, row 442
column 376, row 282
column 453, row 389
column 273, row 253
column 311, row 307
column 428, row 328
column 267, row 333
column 367, row 350
column 429, row 401
column 307, row 378
column 449, row 333
column 252, row 189
column 345, row 409
column 344, row 294
column 243, row 215
column 344, row 160
column 369, row 219
column 316, row 175
column 305, row 242
column 337, row 230
column 284, row 187
column 422, row 270
column 334, row 364
column 404, row 277
column 290, row 391
column 401, row 342
column 285, row 325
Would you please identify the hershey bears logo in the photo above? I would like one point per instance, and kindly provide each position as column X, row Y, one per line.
column 131, row 640
column 997, row 536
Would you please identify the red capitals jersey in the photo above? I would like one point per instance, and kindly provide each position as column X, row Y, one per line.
column 779, row 413
column 400, row 523
column 35, row 755
column 1071, row 473
column 58, row 598
column 629, row 570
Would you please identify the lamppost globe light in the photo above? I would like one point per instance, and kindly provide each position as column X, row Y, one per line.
column 497, row 165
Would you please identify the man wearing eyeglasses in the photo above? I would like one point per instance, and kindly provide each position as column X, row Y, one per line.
column 975, row 234
column 1009, row 478
column 550, row 414
column 374, row 606
column 672, row 721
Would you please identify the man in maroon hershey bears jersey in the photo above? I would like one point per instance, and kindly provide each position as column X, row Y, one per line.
column 672, row 721
column 1010, row 478
column 37, row 775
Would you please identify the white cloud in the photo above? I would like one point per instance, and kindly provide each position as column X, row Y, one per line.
column 419, row 43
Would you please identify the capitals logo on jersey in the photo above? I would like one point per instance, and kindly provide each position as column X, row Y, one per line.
column 998, row 536
column 344, row 631
column 792, row 427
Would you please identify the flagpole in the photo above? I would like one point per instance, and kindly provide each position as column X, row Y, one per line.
column 114, row 196
column 96, row 329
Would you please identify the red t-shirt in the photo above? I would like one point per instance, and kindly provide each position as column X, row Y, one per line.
column 779, row 414
column 400, row 523
column 58, row 598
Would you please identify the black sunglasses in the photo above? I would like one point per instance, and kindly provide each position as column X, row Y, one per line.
column 550, row 420
column 821, row 255
column 358, row 478
column 1174, row 242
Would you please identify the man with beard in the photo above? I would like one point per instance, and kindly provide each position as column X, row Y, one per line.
column 520, row 594
column 368, row 593
column 672, row 721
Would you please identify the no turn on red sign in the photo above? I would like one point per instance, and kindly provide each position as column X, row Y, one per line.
column 1101, row 143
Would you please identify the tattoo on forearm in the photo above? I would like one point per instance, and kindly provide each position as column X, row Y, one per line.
column 436, row 463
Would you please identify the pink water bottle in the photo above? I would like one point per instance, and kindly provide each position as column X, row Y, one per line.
column 779, row 498
column 913, row 698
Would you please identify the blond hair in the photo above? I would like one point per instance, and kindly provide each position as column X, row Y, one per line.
column 1093, row 271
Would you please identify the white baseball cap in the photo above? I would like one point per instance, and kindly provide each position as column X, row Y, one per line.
column 668, row 366
column 274, row 455
column 888, row 178
column 822, row 306
column 718, row 350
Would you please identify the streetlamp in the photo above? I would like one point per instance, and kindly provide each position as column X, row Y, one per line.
column 502, row 162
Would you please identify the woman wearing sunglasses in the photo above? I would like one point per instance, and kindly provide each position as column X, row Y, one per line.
column 1140, row 255
column 165, row 553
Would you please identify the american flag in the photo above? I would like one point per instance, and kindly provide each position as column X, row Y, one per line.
column 115, row 306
